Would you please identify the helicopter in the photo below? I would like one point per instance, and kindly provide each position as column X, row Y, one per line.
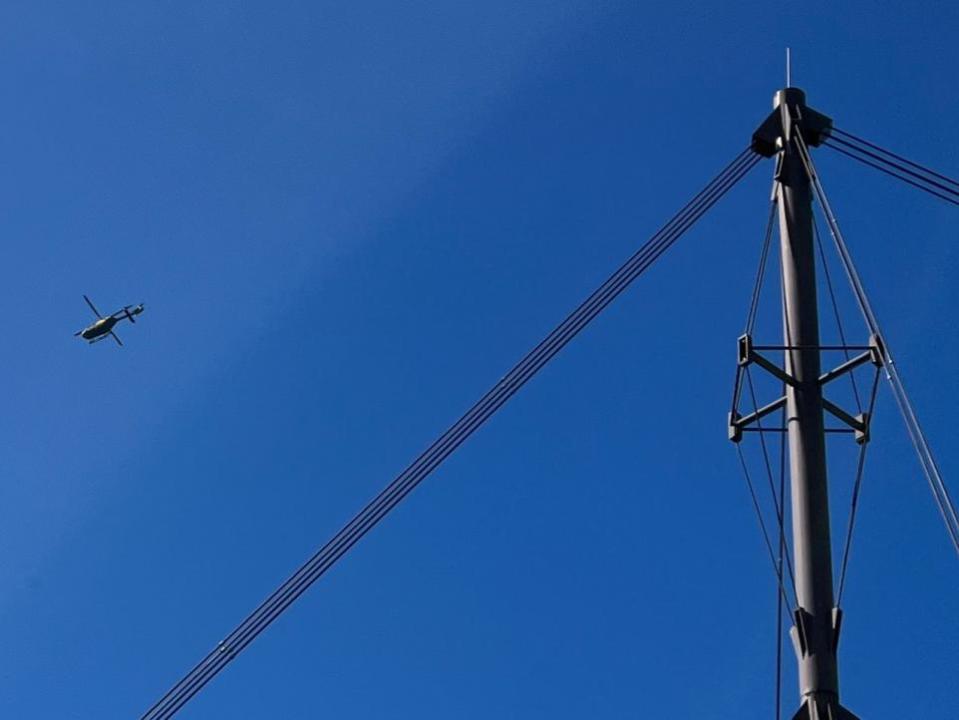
column 104, row 325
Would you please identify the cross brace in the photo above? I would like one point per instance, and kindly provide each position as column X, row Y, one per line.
column 749, row 355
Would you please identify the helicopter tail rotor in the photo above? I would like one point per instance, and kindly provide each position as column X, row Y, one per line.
column 136, row 310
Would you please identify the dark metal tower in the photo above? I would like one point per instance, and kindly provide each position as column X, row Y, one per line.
column 817, row 625
column 786, row 134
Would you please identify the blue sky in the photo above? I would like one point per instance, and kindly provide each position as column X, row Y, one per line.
column 347, row 221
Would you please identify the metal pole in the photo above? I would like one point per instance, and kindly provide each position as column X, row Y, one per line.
column 815, row 632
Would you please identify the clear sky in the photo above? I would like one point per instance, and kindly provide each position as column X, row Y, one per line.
column 347, row 220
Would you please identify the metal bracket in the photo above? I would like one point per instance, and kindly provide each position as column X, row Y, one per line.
column 747, row 355
column 734, row 428
column 798, row 633
column 859, row 423
column 738, row 425
column 846, row 367
column 814, row 126
column 878, row 349
column 873, row 354
column 836, row 627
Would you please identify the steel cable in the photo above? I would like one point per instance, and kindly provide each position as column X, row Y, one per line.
column 778, row 561
column 754, row 299
column 290, row 590
column 761, row 271
column 926, row 459
column 835, row 311
column 230, row 643
column 783, row 549
column 891, row 173
column 862, row 141
column 856, row 489
column 894, row 165
column 762, row 523
column 778, row 506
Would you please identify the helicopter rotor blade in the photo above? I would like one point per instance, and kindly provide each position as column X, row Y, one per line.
column 116, row 338
column 95, row 311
